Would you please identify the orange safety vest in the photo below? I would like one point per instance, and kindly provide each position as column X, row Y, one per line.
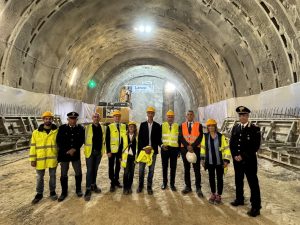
column 190, row 138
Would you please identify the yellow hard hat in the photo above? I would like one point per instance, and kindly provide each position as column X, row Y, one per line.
column 132, row 123
column 170, row 113
column 47, row 114
column 148, row 147
column 116, row 113
column 150, row 109
column 211, row 122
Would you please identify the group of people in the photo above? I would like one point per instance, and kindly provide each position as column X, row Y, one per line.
column 127, row 147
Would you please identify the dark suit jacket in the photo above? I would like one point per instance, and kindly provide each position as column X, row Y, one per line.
column 143, row 138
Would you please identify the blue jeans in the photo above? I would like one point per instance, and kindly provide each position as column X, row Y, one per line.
column 150, row 173
column 92, row 165
column 40, row 180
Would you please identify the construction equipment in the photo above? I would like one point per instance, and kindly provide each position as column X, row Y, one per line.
column 15, row 131
column 280, row 138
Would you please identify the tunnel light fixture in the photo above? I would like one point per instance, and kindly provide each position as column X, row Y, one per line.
column 73, row 76
column 143, row 29
column 92, row 84
column 169, row 87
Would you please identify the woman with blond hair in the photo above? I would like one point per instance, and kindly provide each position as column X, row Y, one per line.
column 215, row 154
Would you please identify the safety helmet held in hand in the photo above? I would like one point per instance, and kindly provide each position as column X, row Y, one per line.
column 191, row 157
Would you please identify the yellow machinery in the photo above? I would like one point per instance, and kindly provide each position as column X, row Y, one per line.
column 106, row 109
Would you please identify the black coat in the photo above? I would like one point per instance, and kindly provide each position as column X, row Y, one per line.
column 68, row 138
column 143, row 138
column 245, row 142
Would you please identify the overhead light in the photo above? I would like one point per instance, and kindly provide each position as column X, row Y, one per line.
column 143, row 28
column 92, row 84
column 169, row 87
column 73, row 76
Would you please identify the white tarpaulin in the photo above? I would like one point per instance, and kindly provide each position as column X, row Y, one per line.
column 280, row 98
column 15, row 101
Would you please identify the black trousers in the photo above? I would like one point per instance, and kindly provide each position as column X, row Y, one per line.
column 114, row 169
column 248, row 168
column 212, row 171
column 129, row 172
column 92, row 165
column 169, row 155
column 187, row 168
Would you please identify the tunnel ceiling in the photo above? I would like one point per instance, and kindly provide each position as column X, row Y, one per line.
column 219, row 48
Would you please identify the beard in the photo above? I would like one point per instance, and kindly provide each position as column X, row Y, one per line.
column 48, row 124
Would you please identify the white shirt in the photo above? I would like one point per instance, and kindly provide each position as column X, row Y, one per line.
column 150, row 130
column 130, row 152
column 244, row 125
column 192, row 123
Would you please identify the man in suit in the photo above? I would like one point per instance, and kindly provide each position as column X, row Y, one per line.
column 149, row 135
column 244, row 143
column 190, row 136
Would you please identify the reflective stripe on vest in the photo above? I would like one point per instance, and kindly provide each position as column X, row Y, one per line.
column 170, row 137
column 190, row 138
column 43, row 149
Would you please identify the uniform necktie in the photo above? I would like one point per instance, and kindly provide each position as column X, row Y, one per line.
column 190, row 127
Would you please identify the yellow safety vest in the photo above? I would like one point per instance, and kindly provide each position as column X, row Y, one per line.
column 170, row 137
column 88, row 144
column 226, row 154
column 115, row 137
column 43, row 149
column 145, row 158
column 125, row 150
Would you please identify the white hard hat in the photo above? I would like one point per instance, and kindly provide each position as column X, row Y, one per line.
column 191, row 157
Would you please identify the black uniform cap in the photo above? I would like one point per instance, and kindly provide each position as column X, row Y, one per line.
column 242, row 110
column 72, row 115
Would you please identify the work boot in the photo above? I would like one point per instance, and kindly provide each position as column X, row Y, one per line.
column 199, row 193
column 87, row 195
column 118, row 185
column 236, row 203
column 95, row 189
column 37, row 198
column 212, row 198
column 173, row 188
column 186, row 190
column 129, row 191
column 64, row 188
column 78, row 180
column 253, row 212
column 53, row 195
column 112, row 188
column 218, row 200
column 149, row 190
column 139, row 190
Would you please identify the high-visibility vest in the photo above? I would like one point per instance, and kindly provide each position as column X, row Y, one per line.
column 125, row 150
column 88, row 143
column 170, row 137
column 115, row 136
column 145, row 158
column 43, row 149
column 195, row 133
column 223, row 147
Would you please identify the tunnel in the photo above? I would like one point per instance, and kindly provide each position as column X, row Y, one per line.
column 209, row 56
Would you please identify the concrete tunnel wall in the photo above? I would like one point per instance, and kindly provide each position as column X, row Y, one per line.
column 219, row 49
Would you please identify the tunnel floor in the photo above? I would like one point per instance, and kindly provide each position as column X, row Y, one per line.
column 279, row 186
